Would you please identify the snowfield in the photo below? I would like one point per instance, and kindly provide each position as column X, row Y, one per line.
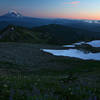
column 95, row 43
column 77, row 53
column 69, row 46
column 74, row 53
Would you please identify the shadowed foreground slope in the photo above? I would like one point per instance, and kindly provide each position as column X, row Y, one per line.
column 26, row 73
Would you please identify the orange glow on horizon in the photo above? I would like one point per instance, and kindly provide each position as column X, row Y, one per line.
column 83, row 15
column 88, row 17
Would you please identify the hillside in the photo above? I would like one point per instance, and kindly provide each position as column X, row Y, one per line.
column 27, row 72
column 49, row 34
column 64, row 34
column 20, row 34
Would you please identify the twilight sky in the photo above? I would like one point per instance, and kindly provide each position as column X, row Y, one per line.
column 76, row 9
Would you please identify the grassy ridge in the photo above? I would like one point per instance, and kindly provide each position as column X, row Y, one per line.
column 48, row 34
column 23, row 35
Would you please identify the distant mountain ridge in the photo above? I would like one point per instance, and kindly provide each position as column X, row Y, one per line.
column 15, row 18
column 64, row 34
column 49, row 34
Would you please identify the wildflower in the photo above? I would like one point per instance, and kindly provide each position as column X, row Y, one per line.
column 95, row 90
column 69, row 88
column 35, row 83
column 71, row 93
column 5, row 85
column 38, row 80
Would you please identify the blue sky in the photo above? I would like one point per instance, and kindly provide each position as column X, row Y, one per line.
column 76, row 9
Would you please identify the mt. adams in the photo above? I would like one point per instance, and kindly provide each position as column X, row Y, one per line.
column 13, row 13
column 15, row 18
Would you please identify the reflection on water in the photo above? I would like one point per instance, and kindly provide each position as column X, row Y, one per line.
column 74, row 53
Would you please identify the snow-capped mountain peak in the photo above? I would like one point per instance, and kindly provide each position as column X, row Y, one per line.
column 13, row 13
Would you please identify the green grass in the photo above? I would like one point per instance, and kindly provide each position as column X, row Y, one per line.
column 79, row 81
